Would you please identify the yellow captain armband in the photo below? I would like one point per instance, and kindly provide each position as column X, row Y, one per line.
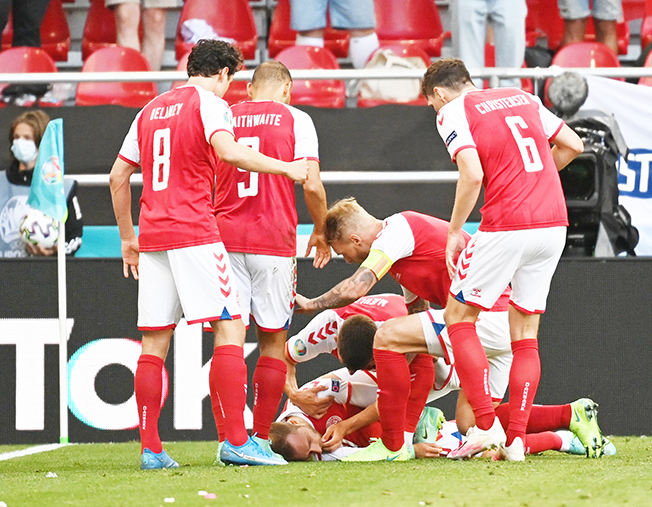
column 378, row 262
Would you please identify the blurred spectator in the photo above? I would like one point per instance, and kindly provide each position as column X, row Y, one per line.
column 127, row 20
column 27, row 16
column 308, row 17
column 606, row 14
column 25, row 137
column 507, row 19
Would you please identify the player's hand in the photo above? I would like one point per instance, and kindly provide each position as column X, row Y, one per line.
column 298, row 170
column 308, row 401
column 424, row 450
column 130, row 251
column 40, row 251
column 454, row 245
column 302, row 304
column 322, row 250
column 333, row 437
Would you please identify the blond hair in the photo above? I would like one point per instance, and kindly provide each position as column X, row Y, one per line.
column 343, row 216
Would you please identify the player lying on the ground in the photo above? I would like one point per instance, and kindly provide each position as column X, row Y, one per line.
column 349, row 423
column 347, row 426
column 425, row 333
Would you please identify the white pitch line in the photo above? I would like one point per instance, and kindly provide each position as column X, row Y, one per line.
column 30, row 450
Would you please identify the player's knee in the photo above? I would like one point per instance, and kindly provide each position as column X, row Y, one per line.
column 385, row 337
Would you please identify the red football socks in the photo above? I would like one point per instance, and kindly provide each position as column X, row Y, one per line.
column 148, row 385
column 473, row 370
column 524, row 378
column 393, row 376
column 544, row 441
column 542, row 417
column 268, row 381
column 228, row 378
column 422, row 373
column 218, row 414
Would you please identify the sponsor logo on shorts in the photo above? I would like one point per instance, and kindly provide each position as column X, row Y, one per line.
column 451, row 137
column 476, row 293
column 300, row 348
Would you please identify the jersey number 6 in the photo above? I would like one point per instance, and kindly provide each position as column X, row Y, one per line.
column 526, row 145
column 252, row 189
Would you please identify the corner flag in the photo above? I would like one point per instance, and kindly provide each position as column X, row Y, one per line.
column 47, row 193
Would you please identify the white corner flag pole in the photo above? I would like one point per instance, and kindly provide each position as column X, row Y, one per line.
column 63, row 335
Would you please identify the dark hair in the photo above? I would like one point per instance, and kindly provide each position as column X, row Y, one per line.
column 448, row 72
column 36, row 119
column 272, row 72
column 208, row 57
column 355, row 342
column 278, row 434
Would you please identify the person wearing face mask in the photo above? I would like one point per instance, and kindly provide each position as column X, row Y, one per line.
column 25, row 136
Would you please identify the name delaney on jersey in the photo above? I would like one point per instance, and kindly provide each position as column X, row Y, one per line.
column 163, row 113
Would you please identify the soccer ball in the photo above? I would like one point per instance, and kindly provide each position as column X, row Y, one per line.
column 39, row 229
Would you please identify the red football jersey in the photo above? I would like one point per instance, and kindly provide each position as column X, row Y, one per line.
column 170, row 140
column 416, row 245
column 510, row 129
column 256, row 212
column 378, row 308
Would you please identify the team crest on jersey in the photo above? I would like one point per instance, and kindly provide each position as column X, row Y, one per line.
column 334, row 419
column 300, row 348
column 450, row 138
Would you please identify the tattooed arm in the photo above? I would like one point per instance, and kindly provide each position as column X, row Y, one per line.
column 344, row 293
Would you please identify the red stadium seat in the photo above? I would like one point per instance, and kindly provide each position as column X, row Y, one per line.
column 583, row 54
column 281, row 36
column 647, row 81
column 115, row 59
column 99, row 29
column 231, row 19
column 646, row 32
column 544, row 20
column 320, row 93
column 26, row 59
column 405, row 52
column 410, row 23
column 55, row 33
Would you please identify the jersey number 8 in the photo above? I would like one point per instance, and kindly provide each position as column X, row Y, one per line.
column 161, row 167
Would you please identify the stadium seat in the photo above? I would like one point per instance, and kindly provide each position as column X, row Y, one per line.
column 405, row 52
column 410, row 23
column 26, row 59
column 230, row 19
column 55, row 33
column 583, row 54
column 281, row 36
column 544, row 20
column 99, row 29
column 115, row 59
column 320, row 93
column 647, row 81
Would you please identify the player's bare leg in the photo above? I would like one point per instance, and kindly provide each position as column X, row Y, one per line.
column 148, row 385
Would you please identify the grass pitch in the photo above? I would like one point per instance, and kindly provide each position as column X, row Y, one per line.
column 108, row 475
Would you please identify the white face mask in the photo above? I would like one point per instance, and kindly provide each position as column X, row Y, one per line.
column 24, row 150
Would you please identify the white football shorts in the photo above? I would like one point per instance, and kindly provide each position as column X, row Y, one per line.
column 493, row 331
column 491, row 260
column 196, row 282
column 267, row 287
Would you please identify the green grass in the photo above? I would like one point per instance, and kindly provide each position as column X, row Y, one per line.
column 108, row 475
